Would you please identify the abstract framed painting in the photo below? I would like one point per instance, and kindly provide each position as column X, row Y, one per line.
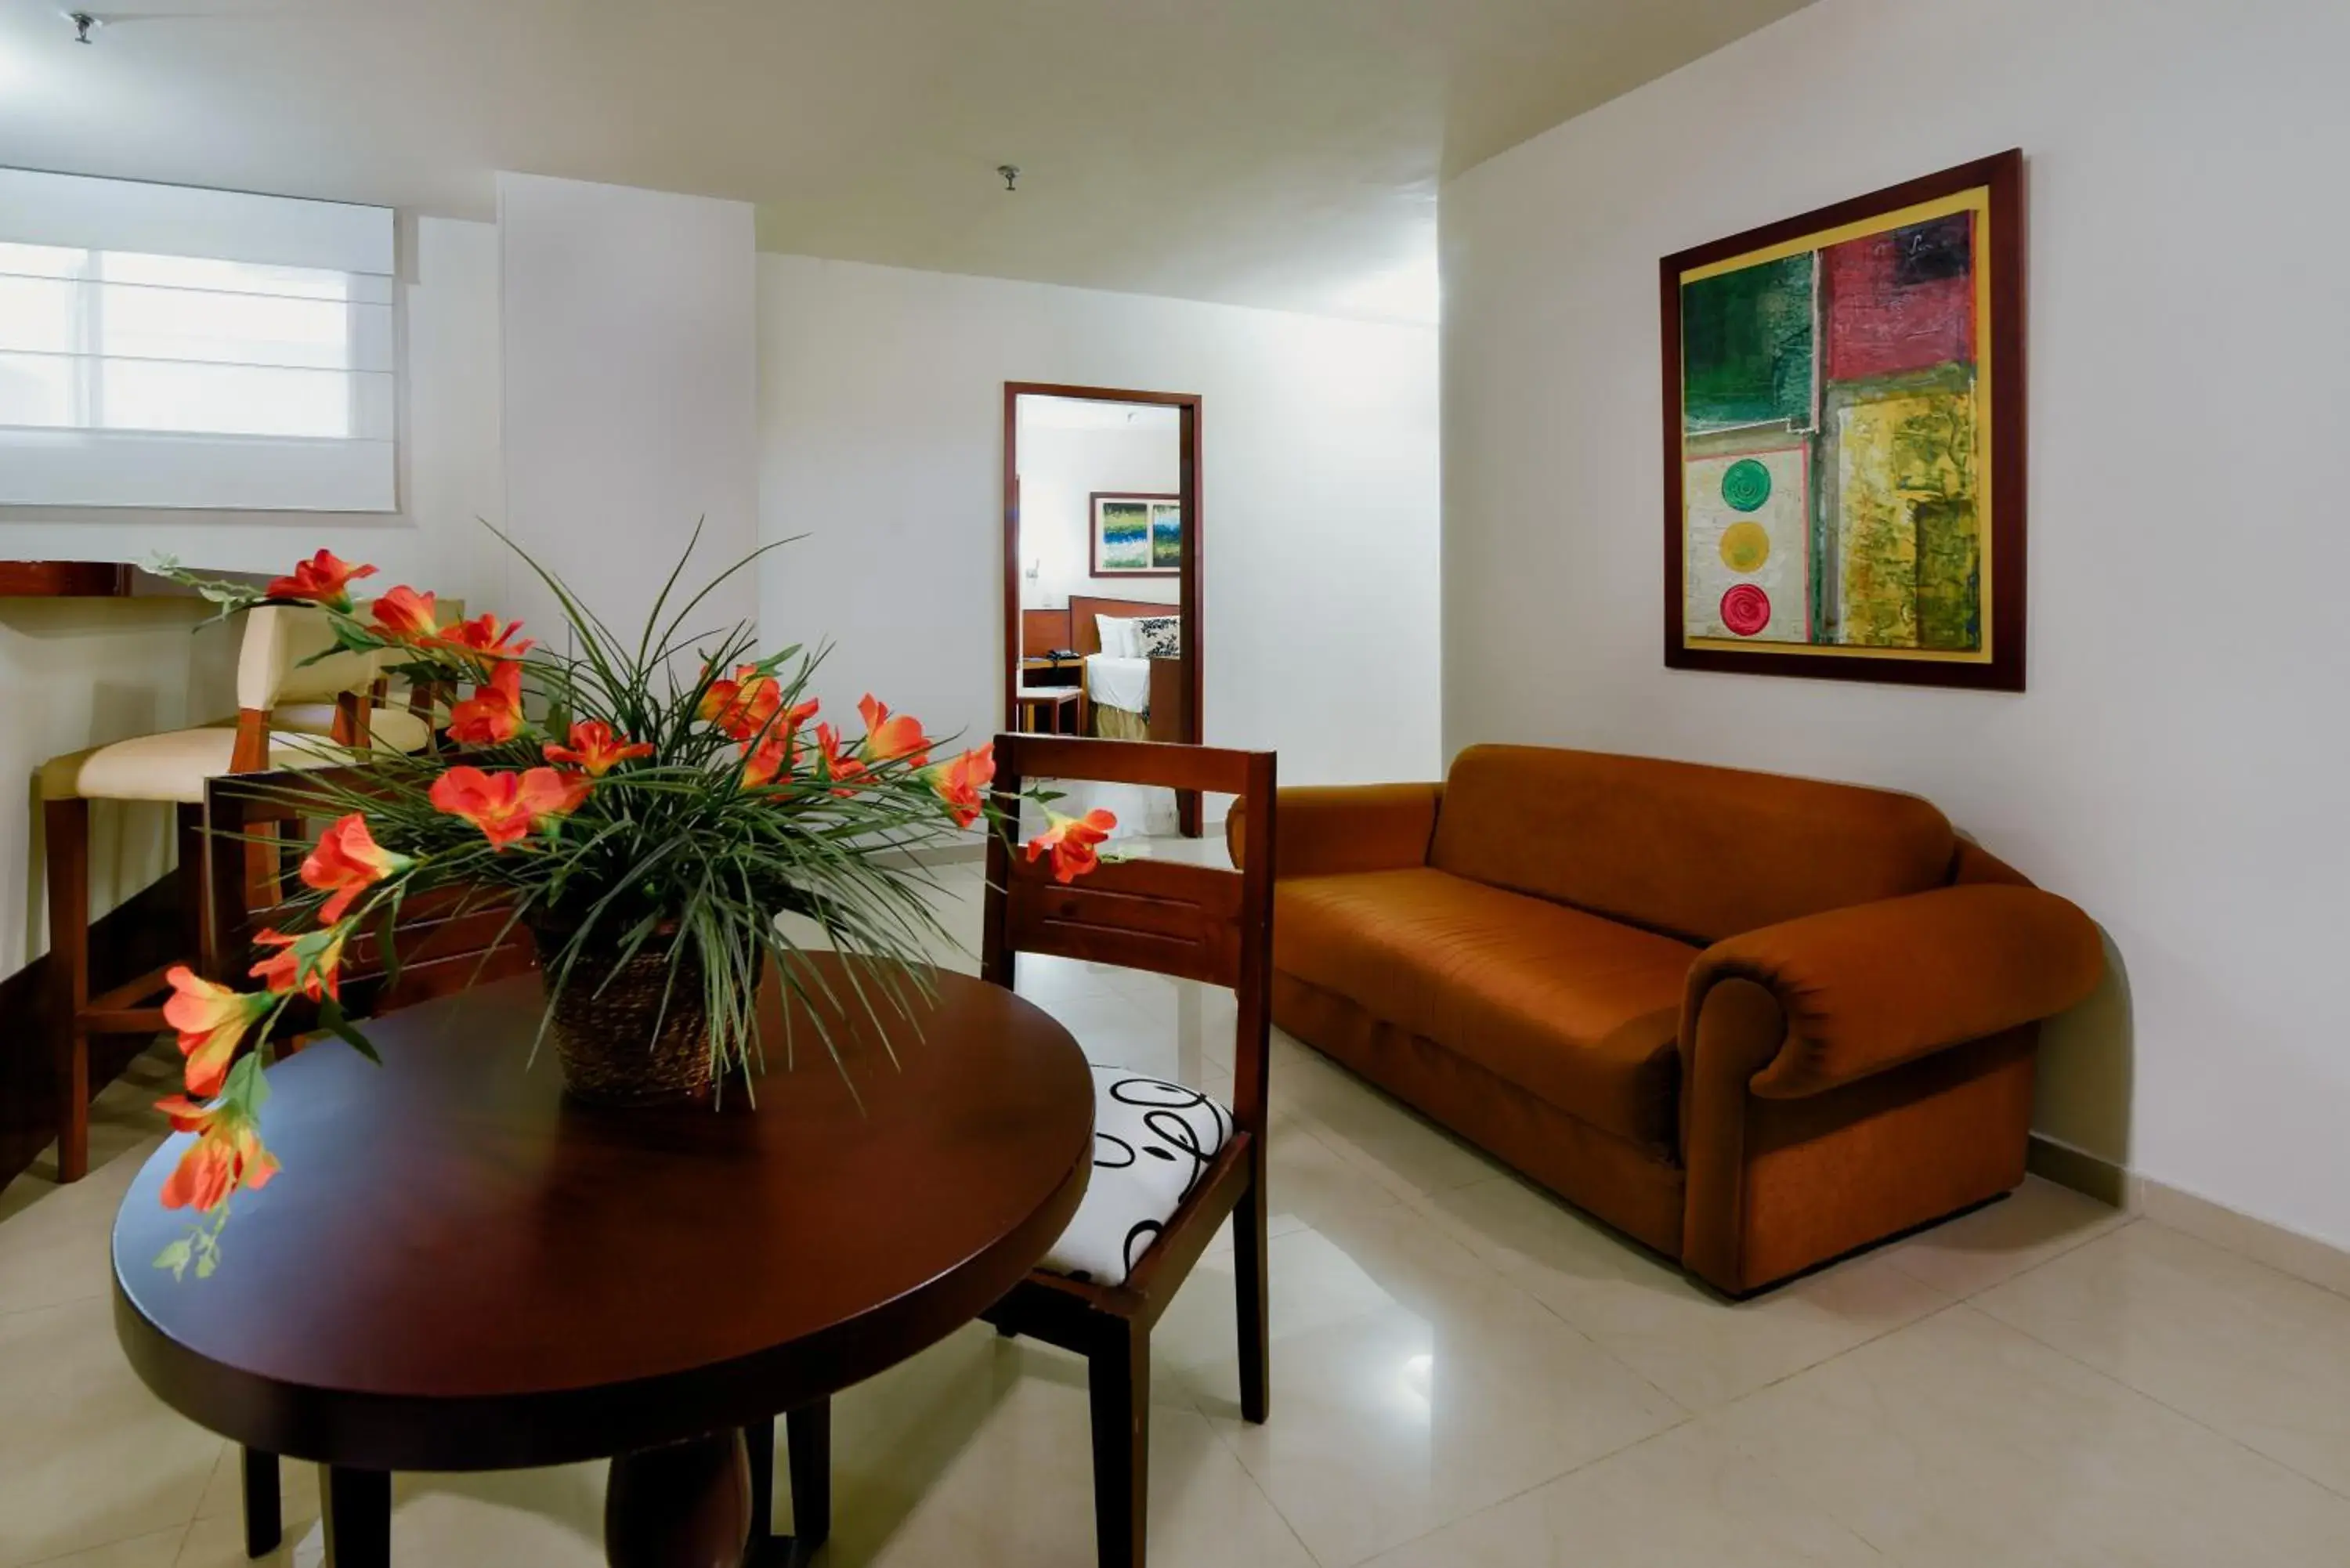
column 1137, row 534
column 1844, row 440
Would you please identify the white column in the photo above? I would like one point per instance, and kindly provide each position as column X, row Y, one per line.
column 630, row 393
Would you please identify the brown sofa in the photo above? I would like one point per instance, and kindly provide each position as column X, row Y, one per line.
column 1754, row 1022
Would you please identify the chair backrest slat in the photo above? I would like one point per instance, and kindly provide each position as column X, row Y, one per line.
column 1193, row 922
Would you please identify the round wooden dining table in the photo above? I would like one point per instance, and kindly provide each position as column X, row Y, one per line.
column 460, row 1267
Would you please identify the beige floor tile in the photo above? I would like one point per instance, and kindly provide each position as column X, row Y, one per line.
column 1699, row 1349
column 57, row 1245
column 1412, row 1385
column 298, row 1490
column 1395, row 1147
column 1959, row 1441
column 978, row 1453
column 2037, row 1222
column 2261, row 1356
column 1688, row 1497
column 87, row 1455
column 219, row 1543
column 159, row 1549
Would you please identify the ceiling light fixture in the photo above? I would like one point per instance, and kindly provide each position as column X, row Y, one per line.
column 84, row 23
column 1011, row 172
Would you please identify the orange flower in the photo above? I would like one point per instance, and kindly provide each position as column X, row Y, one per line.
column 506, row 805
column 887, row 740
column 322, row 579
column 1071, row 841
column 486, row 640
column 742, row 706
column 839, row 768
column 776, row 750
column 309, row 961
column 595, row 747
column 347, row 862
column 963, row 783
column 492, row 713
column 226, row 1155
column 406, row 615
column 211, row 1021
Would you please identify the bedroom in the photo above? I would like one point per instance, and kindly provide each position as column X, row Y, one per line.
column 1101, row 526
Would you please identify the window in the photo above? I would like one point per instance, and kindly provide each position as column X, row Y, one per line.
column 167, row 346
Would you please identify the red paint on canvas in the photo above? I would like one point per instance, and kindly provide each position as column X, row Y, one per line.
column 1901, row 300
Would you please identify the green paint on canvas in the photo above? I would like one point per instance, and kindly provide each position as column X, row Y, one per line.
column 1747, row 346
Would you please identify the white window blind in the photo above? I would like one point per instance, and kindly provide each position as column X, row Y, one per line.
column 162, row 346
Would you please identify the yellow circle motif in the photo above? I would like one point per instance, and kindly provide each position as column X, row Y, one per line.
column 1745, row 547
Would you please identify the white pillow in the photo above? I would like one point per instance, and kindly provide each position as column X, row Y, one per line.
column 1153, row 1141
column 1118, row 638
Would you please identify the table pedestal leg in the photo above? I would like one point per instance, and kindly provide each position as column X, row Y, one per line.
column 684, row 1506
column 359, row 1517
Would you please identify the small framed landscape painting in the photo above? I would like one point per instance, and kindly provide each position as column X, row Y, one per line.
column 1137, row 535
column 1844, row 440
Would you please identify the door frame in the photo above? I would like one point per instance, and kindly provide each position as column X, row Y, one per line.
column 1188, row 578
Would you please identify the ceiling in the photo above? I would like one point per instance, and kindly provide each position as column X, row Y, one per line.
column 1273, row 152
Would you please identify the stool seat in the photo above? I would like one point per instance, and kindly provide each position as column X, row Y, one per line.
column 389, row 729
column 171, row 767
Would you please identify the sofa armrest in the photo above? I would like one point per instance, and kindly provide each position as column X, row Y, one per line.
column 1329, row 829
column 1873, row 986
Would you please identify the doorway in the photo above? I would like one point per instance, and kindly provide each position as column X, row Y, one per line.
column 1102, row 542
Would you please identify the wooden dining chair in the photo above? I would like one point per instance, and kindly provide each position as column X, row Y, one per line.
column 1129, row 1248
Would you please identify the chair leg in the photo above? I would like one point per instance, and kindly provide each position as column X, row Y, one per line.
column 1249, row 1277
column 759, row 1446
column 66, row 823
column 264, row 1525
column 809, row 1432
column 1118, row 1379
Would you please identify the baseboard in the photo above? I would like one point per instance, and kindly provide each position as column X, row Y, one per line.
column 2083, row 1172
column 2288, row 1251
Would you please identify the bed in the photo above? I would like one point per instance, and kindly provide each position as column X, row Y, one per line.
column 1127, row 697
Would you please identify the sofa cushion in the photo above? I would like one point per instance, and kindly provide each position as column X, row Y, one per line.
column 1577, row 1011
column 1702, row 853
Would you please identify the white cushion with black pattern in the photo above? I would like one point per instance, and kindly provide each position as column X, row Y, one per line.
column 1153, row 1142
column 1159, row 636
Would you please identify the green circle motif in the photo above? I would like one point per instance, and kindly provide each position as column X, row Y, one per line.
column 1746, row 484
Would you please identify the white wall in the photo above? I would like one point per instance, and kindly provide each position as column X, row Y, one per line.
column 1061, row 468
column 881, row 438
column 76, row 673
column 630, row 380
column 2177, row 765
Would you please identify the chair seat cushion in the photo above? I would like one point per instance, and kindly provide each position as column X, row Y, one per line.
column 1153, row 1142
column 1580, row 1011
column 389, row 729
column 173, row 766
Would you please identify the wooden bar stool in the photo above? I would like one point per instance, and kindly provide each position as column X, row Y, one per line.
column 172, row 768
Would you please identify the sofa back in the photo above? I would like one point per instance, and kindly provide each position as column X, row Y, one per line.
column 1697, row 852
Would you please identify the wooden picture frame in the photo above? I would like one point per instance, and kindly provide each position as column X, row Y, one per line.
column 1844, row 439
column 1148, row 511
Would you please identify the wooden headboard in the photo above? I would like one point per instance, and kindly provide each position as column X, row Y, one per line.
column 1086, row 634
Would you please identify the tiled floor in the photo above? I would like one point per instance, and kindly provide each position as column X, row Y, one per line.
column 1466, row 1375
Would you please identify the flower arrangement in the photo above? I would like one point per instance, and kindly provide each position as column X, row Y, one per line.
column 639, row 822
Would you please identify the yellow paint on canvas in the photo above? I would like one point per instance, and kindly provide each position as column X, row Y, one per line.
column 1897, row 458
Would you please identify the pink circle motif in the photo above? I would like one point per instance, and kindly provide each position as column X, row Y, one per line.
column 1745, row 609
